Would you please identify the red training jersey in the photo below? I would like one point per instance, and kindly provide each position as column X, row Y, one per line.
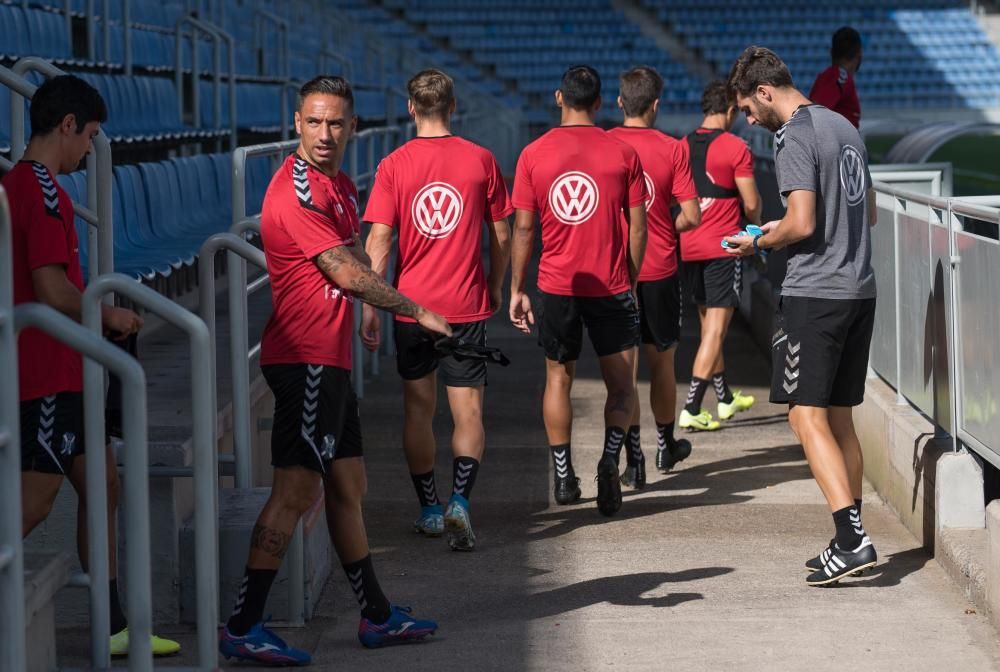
column 306, row 213
column 579, row 178
column 834, row 89
column 668, row 178
column 43, row 235
column 728, row 158
column 437, row 192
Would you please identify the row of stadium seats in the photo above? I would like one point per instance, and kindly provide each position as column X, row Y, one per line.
column 164, row 211
column 28, row 31
column 928, row 54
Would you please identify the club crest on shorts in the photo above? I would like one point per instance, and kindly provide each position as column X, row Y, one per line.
column 650, row 190
column 852, row 174
column 573, row 197
column 437, row 209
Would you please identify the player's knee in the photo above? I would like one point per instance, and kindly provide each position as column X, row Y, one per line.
column 33, row 511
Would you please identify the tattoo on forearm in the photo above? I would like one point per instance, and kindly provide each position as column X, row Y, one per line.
column 271, row 541
column 366, row 284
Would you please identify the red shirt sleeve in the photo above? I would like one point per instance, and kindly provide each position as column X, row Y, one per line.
column 45, row 235
column 498, row 202
column 314, row 232
column 381, row 206
column 825, row 90
column 743, row 160
column 683, row 188
column 524, row 190
column 636, row 181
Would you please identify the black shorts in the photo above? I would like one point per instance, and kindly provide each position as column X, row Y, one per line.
column 660, row 312
column 714, row 283
column 416, row 356
column 315, row 415
column 52, row 432
column 819, row 352
column 612, row 323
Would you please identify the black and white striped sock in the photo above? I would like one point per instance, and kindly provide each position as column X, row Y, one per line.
column 614, row 437
column 426, row 488
column 634, row 455
column 850, row 532
column 664, row 435
column 722, row 390
column 562, row 460
column 464, row 471
column 374, row 604
column 696, row 394
column 250, row 599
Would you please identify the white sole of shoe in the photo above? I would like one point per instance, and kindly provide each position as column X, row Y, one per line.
column 833, row 580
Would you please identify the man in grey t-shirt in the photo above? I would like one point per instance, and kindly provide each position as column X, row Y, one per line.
column 827, row 309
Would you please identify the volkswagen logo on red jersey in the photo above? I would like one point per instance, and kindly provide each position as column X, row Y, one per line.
column 437, row 209
column 650, row 190
column 852, row 174
column 573, row 197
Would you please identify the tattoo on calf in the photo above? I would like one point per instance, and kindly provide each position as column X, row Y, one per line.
column 271, row 541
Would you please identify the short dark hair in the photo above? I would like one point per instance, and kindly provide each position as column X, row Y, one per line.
column 846, row 44
column 716, row 99
column 432, row 92
column 639, row 88
column 580, row 87
column 331, row 85
column 756, row 66
column 63, row 95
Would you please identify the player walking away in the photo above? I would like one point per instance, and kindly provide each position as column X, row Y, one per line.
column 668, row 180
column 827, row 309
column 66, row 114
column 722, row 168
column 309, row 226
column 834, row 87
column 579, row 179
column 436, row 191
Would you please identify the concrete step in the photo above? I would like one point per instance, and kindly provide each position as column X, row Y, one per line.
column 238, row 511
column 44, row 575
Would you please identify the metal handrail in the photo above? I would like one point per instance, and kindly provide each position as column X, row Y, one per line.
column 286, row 86
column 260, row 16
column 941, row 212
column 100, row 241
column 13, row 653
column 345, row 63
column 137, row 467
column 238, row 252
column 98, row 355
column 218, row 37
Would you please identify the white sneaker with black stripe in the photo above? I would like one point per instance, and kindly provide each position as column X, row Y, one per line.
column 841, row 564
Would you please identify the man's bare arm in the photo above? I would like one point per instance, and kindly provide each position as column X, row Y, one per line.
column 636, row 217
column 378, row 246
column 524, row 240
column 689, row 217
column 499, row 253
column 343, row 268
column 747, row 186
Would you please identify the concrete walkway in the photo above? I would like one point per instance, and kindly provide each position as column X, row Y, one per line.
column 700, row 571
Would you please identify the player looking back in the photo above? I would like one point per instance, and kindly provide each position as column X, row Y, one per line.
column 834, row 87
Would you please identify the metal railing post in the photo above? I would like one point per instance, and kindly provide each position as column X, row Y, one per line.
column 99, row 354
column 238, row 250
column 287, row 86
column 955, row 361
column 137, row 466
column 127, row 35
column 898, row 205
column 91, row 30
column 13, row 653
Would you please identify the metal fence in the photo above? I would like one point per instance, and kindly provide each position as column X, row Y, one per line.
column 937, row 265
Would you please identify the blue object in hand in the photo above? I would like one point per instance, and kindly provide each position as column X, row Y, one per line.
column 751, row 230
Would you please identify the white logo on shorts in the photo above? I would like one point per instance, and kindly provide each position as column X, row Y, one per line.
column 573, row 197
column 852, row 174
column 437, row 209
column 650, row 190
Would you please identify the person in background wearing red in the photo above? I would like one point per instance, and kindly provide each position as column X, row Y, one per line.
column 668, row 180
column 722, row 168
column 834, row 87
column 580, row 180
column 66, row 114
column 436, row 191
